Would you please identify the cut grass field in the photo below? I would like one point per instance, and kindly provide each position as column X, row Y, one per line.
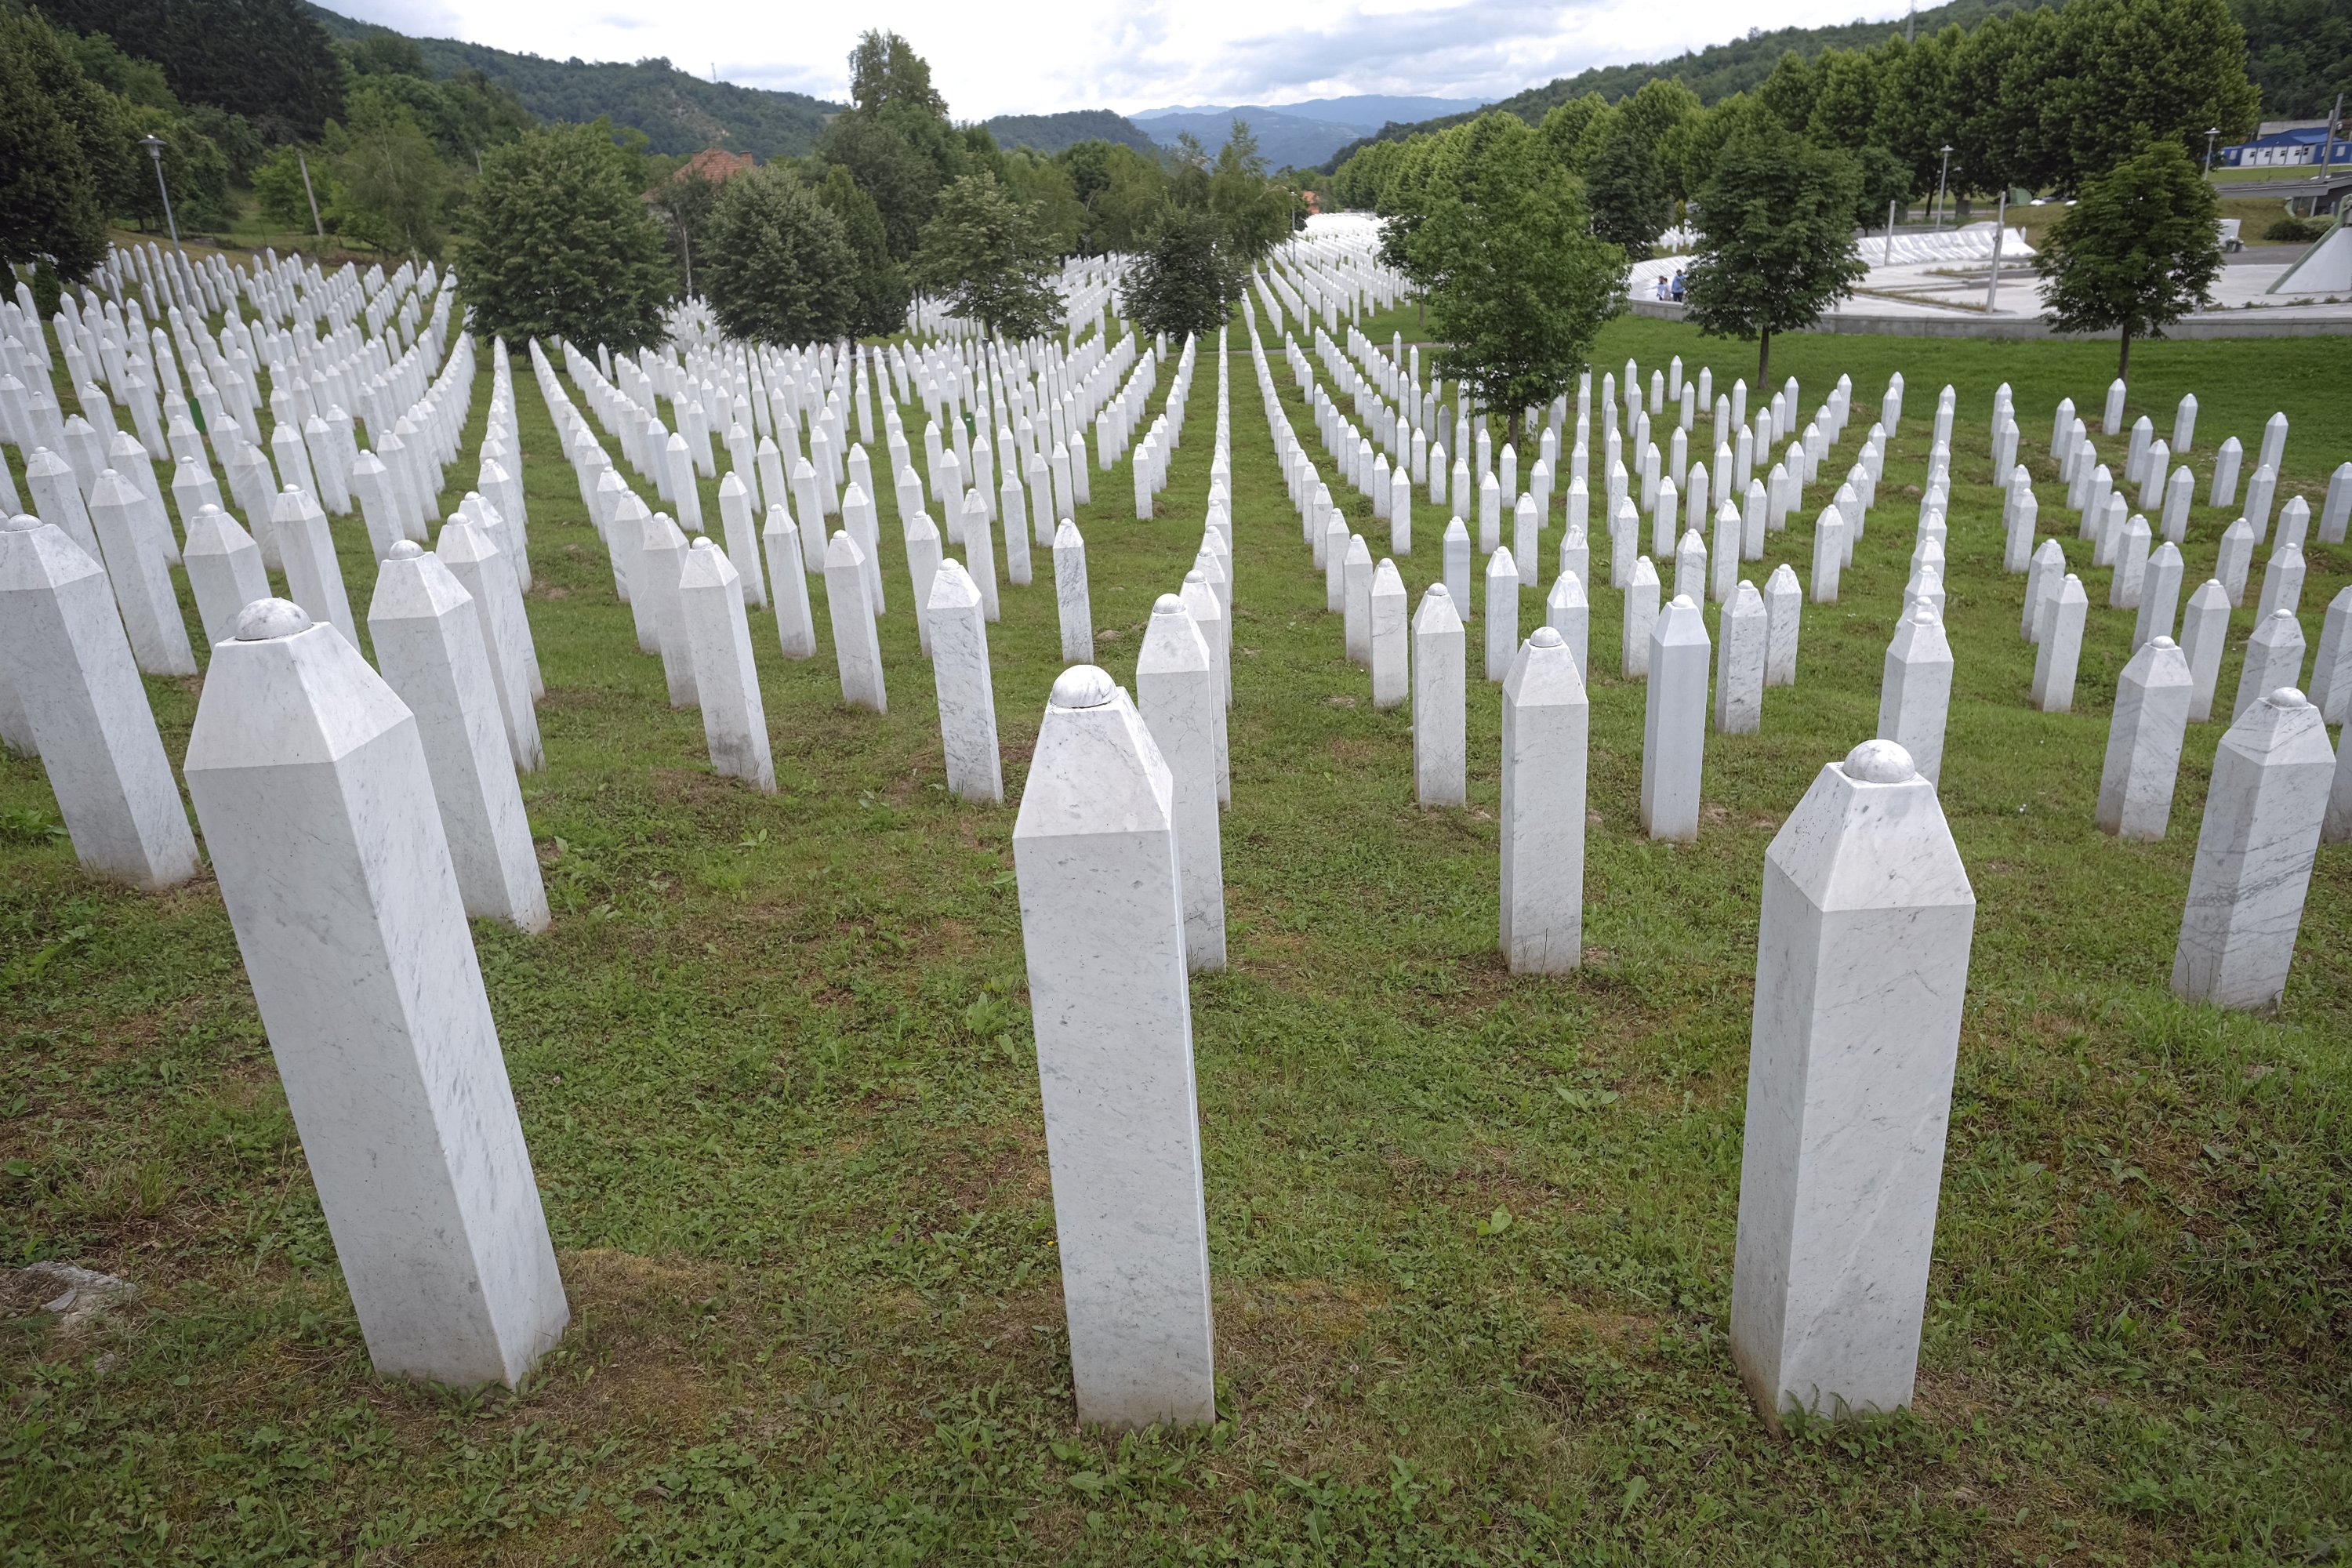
column 1470, row 1235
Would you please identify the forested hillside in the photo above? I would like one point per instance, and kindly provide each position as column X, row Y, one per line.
column 678, row 112
column 1051, row 133
column 2299, row 53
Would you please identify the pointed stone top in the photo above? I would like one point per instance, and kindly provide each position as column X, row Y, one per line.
column 1548, row 637
column 23, row 522
column 265, row 619
column 1166, row 604
column 1067, row 532
column 702, row 542
column 1086, row 685
column 406, row 550
column 2162, row 642
column 1880, row 761
column 1923, row 612
column 731, row 478
column 2287, row 696
column 2281, row 614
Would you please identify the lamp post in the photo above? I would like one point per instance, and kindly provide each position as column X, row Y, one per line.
column 2211, row 134
column 155, row 145
column 1941, row 178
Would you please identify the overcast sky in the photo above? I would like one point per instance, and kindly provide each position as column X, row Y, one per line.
column 1041, row 56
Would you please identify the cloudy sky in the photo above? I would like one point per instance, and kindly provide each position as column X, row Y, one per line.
column 1040, row 56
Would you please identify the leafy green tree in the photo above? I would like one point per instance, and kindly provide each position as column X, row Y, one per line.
column 878, row 283
column 194, row 163
column 1845, row 99
column 2137, row 252
column 1519, row 285
column 1917, row 111
column 2119, row 71
column 50, row 197
column 885, row 71
column 1996, row 116
column 981, row 253
column 1776, row 239
column 1630, row 205
column 1657, row 107
column 278, row 190
column 392, row 179
column 1788, row 91
column 1120, row 190
column 684, row 203
column 268, row 60
column 562, row 245
column 1566, row 126
column 777, row 267
column 2299, row 53
column 903, row 182
column 1253, row 212
column 1884, row 177
column 1185, row 280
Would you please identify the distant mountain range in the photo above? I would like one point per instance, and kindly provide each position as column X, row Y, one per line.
column 679, row 112
column 1301, row 134
column 1049, row 133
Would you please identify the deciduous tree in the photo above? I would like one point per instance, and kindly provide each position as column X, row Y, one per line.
column 777, row 265
column 982, row 254
column 2137, row 252
column 1776, row 239
column 563, row 243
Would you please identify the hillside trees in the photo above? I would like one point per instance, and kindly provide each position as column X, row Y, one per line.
column 779, row 267
column 1518, row 285
column 564, row 245
column 1776, row 239
column 2138, row 251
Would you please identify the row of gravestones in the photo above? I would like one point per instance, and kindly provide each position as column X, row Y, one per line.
column 1116, row 1292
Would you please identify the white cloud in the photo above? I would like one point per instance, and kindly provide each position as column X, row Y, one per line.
column 1048, row 55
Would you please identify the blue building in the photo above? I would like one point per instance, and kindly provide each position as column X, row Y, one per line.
column 2305, row 145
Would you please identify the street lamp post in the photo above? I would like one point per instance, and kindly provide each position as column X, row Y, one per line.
column 155, row 145
column 1941, row 178
column 2211, row 134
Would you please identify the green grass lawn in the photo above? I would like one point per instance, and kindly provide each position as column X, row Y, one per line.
column 1472, row 1234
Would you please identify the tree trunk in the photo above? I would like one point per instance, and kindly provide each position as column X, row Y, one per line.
column 2123, row 359
column 1764, row 364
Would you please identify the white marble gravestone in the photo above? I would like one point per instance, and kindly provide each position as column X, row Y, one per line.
column 1546, row 719
column 1391, row 637
column 2159, row 595
column 1440, row 699
column 2274, row 659
column 1567, row 612
column 428, row 644
column 1784, row 610
column 317, row 809
column 795, row 625
column 1502, row 623
column 467, row 552
column 1175, row 686
column 2263, row 810
column 1743, row 634
column 1641, row 610
column 967, row 698
column 1070, row 595
column 1102, row 924
column 857, row 645
column 1915, row 691
column 2144, row 743
column 314, row 577
column 2061, row 646
column 1862, row 963
column 225, row 571
column 141, row 579
column 2204, row 636
column 726, row 681
column 1674, row 726
column 64, row 655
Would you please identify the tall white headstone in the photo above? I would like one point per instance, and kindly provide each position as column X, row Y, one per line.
column 1862, row 963
column 1070, row 595
column 1915, row 691
column 2144, row 742
column 857, row 646
column 1674, row 727
column 64, row 655
column 317, row 809
column 1175, row 686
column 967, row 698
column 1546, row 720
column 1440, row 702
column 726, row 681
column 2263, row 809
column 1102, row 924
